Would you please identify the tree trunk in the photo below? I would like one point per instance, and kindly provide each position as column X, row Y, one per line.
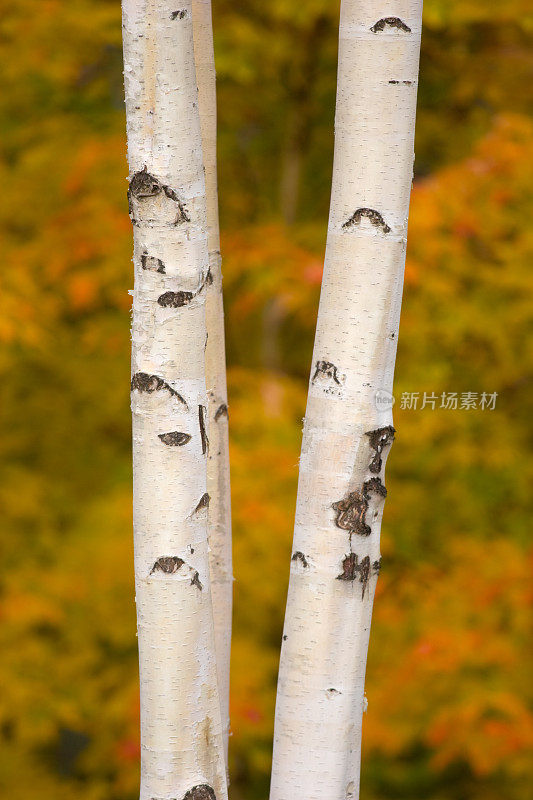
column 181, row 733
column 218, row 476
column 348, row 425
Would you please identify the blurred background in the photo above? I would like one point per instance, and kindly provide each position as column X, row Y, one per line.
column 450, row 714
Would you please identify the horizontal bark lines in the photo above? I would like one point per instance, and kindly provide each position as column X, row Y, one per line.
column 220, row 556
column 181, row 730
column 347, row 435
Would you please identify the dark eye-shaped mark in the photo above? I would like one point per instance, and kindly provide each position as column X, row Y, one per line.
column 175, row 299
column 167, row 564
column 152, row 264
column 174, row 438
column 143, row 382
column 298, row 556
column 368, row 213
column 201, row 792
column 172, row 564
column 144, row 186
column 325, row 369
column 391, row 22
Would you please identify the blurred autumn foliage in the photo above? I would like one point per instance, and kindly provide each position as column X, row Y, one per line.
column 449, row 688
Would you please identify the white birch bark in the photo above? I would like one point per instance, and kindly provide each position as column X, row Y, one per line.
column 218, row 476
column 347, row 434
column 181, row 732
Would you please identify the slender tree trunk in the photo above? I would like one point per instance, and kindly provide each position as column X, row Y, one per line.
column 348, row 431
column 181, row 732
column 218, row 478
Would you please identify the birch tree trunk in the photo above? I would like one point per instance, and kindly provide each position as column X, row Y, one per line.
column 348, row 431
column 218, row 476
column 181, row 732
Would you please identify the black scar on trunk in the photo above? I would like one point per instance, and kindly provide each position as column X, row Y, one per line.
column 203, row 502
column 144, row 186
column 298, row 556
column 201, row 792
column 172, row 564
column 327, row 370
column 390, row 22
column 167, row 564
column 351, row 510
column 174, row 438
column 222, row 411
column 182, row 215
column 368, row 213
column 182, row 298
column 151, row 263
column 379, row 440
column 352, row 569
column 175, row 299
column 143, row 382
column 195, row 581
column 203, row 433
